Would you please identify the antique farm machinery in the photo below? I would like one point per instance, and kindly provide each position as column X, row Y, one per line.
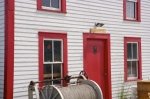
column 81, row 88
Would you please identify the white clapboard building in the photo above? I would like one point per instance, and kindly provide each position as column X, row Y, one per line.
column 42, row 39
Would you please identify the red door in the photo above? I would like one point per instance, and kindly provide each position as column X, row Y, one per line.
column 95, row 62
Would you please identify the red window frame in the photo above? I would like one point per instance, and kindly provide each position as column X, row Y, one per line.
column 138, row 11
column 62, row 9
column 138, row 40
column 51, row 35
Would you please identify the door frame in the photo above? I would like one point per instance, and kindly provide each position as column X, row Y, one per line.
column 105, row 37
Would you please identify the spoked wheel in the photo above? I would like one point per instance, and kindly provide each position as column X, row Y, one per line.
column 49, row 92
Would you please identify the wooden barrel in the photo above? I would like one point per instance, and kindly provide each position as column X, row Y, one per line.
column 86, row 89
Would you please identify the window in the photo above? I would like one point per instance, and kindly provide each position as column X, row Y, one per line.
column 132, row 56
column 52, row 5
column 52, row 59
column 52, row 56
column 132, row 60
column 132, row 10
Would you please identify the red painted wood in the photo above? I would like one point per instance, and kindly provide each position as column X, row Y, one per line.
column 139, row 10
column 63, row 7
column 132, row 39
column 124, row 9
column 41, row 57
column 9, row 49
column 97, row 65
column 94, row 62
column 51, row 35
column 39, row 4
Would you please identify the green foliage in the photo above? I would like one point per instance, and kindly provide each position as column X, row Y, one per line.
column 123, row 94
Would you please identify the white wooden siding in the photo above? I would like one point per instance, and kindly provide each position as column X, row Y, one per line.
column 1, row 48
column 81, row 16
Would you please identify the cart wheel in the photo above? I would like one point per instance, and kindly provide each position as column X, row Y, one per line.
column 49, row 92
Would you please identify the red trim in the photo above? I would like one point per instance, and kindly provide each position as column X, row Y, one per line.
column 63, row 7
column 42, row 36
column 9, row 49
column 132, row 39
column 138, row 10
column 124, row 9
column 108, row 58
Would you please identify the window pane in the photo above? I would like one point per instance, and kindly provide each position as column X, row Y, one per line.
column 129, row 63
column 131, row 9
column 46, row 3
column 57, row 73
column 57, row 51
column 47, row 71
column 135, row 51
column 129, row 51
column 55, row 3
column 134, row 68
column 48, row 51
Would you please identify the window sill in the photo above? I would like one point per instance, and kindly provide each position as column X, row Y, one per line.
column 132, row 80
column 53, row 11
column 132, row 20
